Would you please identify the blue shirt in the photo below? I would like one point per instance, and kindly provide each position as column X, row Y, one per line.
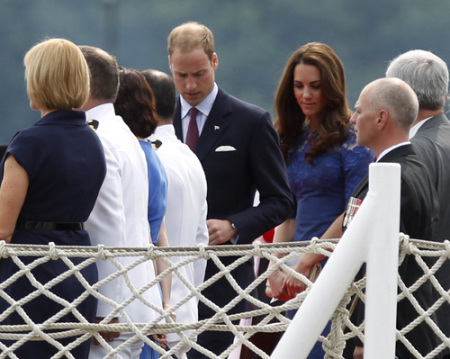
column 157, row 194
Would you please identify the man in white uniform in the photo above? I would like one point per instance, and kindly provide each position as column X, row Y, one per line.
column 186, row 200
column 119, row 218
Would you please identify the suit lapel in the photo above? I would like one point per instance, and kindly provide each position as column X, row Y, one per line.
column 361, row 187
column 177, row 121
column 215, row 125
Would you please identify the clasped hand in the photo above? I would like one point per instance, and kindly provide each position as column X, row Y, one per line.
column 220, row 231
column 285, row 286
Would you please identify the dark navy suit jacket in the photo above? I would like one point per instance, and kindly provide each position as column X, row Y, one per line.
column 234, row 175
column 240, row 153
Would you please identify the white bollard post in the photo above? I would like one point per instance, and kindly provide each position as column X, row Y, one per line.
column 379, row 209
column 382, row 264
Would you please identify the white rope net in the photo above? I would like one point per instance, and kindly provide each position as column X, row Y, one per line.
column 266, row 317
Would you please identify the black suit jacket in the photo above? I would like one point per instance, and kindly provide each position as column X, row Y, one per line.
column 234, row 176
column 419, row 202
column 419, row 213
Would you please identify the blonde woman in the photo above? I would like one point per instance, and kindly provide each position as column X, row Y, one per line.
column 51, row 174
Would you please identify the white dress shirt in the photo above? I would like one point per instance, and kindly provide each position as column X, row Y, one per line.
column 185, row 215
column 119, row 217
column 204, row 108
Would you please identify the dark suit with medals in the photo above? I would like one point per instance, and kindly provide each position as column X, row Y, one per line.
column 419, row 216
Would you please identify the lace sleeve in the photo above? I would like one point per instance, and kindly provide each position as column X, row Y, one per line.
column 356, row 160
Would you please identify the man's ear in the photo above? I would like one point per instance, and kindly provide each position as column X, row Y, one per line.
column 383, row 117
column 215, row 61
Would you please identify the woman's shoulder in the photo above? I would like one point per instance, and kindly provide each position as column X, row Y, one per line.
column 351, row 138
column 29, row 136
column 351, row 147
column 351, row 143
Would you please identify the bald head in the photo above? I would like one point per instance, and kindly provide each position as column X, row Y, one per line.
column 397, row 98
column 385, row 110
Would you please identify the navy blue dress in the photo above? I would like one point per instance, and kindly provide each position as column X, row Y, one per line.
column 65, row 163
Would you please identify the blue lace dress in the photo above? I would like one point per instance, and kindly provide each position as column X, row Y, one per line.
column 322, row 190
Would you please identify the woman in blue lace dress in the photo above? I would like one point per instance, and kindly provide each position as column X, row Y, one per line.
column 324, row 164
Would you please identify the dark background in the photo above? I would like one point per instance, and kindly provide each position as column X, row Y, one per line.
column 254, row 38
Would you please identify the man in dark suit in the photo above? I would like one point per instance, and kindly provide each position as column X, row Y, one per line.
column 384, row 113
column 428, row 76
column 239, row 151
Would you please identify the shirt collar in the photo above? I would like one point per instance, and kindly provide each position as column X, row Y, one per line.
column 204, row 107
column 389, row 149
column 100, row 111
column 62, row 117
column 163, row 131
column 413, row 130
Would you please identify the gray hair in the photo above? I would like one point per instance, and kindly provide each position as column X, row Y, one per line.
column 426, row 73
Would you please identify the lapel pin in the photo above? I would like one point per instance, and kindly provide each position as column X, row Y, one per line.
column 216, row 128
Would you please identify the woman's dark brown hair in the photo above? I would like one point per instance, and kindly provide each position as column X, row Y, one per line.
column 135, row 102
column 334, row 120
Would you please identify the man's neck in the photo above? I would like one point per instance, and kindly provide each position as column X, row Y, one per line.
column 165, row 121
column 91, row 103
column 389, row 139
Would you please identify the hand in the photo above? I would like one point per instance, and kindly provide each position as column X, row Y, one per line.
column 358, row 352
column 173, row 315
column 277, row 289
column 108, row 336
column 220, row 231
column 161, row 339
column 294, row 285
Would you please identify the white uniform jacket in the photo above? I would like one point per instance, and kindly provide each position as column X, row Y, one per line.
column 119, row 217
column 185, row 215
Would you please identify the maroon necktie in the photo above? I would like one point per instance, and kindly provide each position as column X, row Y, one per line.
column 192, row 132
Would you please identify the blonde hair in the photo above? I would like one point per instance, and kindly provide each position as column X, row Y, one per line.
column 57, row 75
column 190, row 36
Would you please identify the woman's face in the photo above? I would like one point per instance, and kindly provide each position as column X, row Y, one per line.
column 308, row 91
